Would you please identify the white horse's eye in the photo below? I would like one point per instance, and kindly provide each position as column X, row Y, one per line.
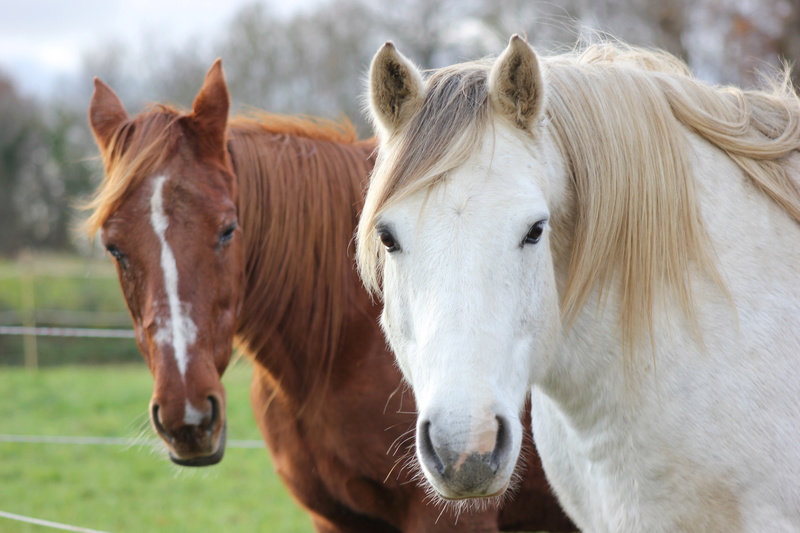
column 388, row 240
column 535, row 233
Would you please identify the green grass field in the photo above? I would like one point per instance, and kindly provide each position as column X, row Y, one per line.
column 64, row 291
column 117, row 489
column 128, row 488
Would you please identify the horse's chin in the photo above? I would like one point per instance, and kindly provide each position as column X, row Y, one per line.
column 204, row 460
column 497, row 495
column 475, row 504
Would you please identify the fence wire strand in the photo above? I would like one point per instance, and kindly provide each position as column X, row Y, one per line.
column 47, row 523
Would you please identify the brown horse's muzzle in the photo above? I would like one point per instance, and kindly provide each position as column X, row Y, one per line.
column 196, row 439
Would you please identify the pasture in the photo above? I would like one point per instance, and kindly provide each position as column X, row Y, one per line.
column 115, row 488
column 128, row 488
column 63, row 291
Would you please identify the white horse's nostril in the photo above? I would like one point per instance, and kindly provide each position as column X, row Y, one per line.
column 468, row 470
column 502, row 444
column 426, row 448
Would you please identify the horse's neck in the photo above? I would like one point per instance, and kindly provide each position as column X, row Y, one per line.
column 302, row 369
column 589, row 357
column 280, row 322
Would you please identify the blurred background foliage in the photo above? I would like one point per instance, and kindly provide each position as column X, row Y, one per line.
column 314, row 62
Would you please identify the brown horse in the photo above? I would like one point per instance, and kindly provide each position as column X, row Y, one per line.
column 242, row 229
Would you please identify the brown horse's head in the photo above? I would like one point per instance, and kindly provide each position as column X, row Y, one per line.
column 168, row 214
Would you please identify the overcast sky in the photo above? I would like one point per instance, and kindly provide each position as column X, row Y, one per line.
column 42, row 40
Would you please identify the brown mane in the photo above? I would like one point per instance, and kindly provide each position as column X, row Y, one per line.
column 295, row 176
column 314, row 128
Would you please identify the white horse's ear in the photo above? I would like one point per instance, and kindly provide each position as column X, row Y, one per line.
column 515, row 84
column 396, row 89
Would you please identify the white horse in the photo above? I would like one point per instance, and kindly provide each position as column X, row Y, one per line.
column 621, row 240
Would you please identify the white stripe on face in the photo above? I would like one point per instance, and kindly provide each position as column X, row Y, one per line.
column 179, row 328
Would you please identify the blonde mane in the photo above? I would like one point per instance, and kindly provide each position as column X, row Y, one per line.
column 618, row 115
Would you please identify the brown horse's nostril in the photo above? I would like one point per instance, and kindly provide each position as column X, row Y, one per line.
column 215, row 413
column 160, row 429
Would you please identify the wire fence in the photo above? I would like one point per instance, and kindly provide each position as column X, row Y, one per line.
column 92, row 333
column 74, row 297
column 46, row 523
column 109, row 441
column 68, row 318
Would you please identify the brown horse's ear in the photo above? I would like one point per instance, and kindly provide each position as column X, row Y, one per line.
column 515, row 84
column 209, row 117
column 396, row 89
column 106, row 114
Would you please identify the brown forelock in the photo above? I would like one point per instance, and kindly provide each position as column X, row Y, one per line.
column 137, row 148
column 300, row 183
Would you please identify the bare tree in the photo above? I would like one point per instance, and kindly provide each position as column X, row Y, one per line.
column 41, row 164
column 730, row 41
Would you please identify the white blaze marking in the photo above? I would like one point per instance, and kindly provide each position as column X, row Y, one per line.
column 192, row 416
column 179, row 329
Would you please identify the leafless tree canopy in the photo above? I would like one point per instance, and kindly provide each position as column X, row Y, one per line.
column 315, row 61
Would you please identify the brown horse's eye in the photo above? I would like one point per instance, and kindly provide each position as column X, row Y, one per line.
column 535, row 233
column 227, row 234
column 388, row 240
column 120, row 257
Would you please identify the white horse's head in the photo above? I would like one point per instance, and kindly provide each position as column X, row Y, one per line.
column 456, row 230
